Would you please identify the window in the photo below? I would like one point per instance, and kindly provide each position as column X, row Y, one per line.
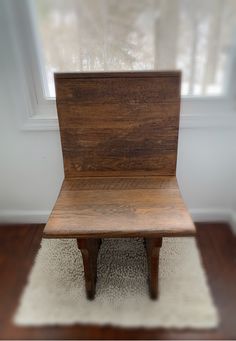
column 195, row 36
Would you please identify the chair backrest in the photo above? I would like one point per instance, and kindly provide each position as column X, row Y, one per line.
column 118, row 122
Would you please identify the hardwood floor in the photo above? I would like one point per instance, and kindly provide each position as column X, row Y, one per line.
column 19, row 245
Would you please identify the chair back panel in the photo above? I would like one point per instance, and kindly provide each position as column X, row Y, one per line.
column 118, row 122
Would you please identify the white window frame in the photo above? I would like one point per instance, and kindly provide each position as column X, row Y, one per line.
column 40, row 112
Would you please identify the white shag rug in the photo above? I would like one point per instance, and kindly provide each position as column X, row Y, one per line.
column 55, row 291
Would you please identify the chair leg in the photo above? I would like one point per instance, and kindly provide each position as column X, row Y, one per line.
column 89, row 248
column 153, row 246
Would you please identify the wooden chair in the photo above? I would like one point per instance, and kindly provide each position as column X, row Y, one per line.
column 119, row 134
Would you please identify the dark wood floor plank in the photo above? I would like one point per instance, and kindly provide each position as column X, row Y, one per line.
column 19, row 245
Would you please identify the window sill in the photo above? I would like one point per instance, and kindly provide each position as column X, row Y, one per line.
column 195, row 114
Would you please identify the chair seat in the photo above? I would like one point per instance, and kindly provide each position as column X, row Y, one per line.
column 148, row 206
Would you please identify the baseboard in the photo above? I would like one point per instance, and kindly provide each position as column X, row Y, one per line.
column 23, row 216
column 40, row 217
column 212, row 214
column 215, row 215
column 233, row 221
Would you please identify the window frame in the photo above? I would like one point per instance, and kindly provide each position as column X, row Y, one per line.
column 40, row 111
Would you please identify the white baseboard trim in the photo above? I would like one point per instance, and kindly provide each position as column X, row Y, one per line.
column 232, row 221
column 23, row 216
column 213, row 214
column 40, row 217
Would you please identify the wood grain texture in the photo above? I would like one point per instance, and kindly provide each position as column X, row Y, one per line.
column 119, row 135
column 118, row 121
column 119, row 207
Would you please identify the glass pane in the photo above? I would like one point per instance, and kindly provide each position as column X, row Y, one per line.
column 194, row 36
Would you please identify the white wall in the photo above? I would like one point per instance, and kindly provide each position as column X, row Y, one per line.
column 206, row 172
column 31, row 168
